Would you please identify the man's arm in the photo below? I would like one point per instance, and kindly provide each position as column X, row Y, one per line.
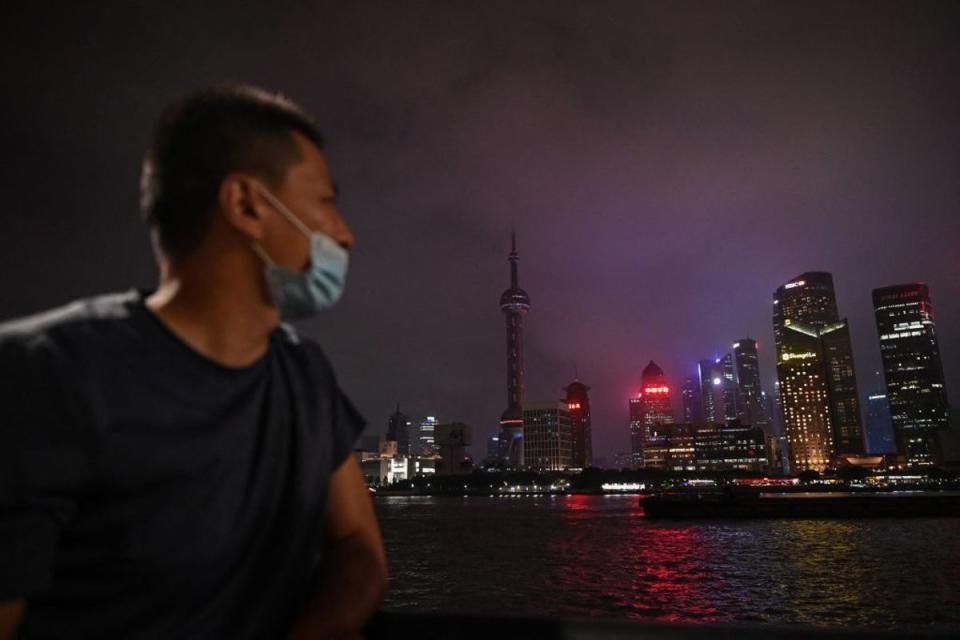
column 353, row 577
column 10, row 613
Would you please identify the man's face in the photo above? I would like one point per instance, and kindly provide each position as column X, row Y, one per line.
column 311, row 195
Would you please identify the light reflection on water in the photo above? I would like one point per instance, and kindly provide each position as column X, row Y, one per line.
column 577, row 556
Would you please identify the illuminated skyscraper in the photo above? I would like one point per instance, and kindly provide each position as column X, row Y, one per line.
column 751, row 405
column 912, row 369
column 818, row 384
column 655, row 393
column 578, row 404
column 426, row 438
column 514, row 303
column 546, row 436
column 651, row 407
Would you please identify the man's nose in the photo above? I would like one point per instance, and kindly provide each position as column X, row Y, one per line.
column 343, row 235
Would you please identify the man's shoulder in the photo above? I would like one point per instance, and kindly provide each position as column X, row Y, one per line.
column 305, row 347
column 67, row 323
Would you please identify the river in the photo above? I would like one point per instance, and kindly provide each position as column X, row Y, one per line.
column 576, row 556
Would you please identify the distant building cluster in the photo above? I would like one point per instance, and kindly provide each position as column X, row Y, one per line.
column 724, row 424
column 813, row 422
column 817, row 395
column 818, row 389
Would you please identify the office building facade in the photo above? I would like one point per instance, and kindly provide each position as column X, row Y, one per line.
column 752, row 401
column 577, row 399
column 913, row 371
column 547, row 437
column 816, row 374
column 652, row 406
column 692, row 407
column 707, row 447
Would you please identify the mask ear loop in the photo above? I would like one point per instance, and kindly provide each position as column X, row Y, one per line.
column 279, row 206
column 263, row 254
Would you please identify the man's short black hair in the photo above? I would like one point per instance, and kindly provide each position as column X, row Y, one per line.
column 202, row 137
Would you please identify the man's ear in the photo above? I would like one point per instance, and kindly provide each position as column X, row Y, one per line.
column 241, row 205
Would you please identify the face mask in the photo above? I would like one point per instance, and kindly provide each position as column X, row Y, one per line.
column 303, row 294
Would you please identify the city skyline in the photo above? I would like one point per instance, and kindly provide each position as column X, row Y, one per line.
column 665, row 167
column 732, row 382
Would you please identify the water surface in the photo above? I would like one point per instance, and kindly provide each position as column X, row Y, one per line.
column 574, row 556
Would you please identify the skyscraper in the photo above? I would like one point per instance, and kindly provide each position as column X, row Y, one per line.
column 398, row 430
column 546, row 436
column 818, row 385
column 912, row 369
column 636, row 431
column 651, row 407
column 578, row 404
column 751, row 409
column 715, row 390
column 731, row 399
column 426, row 437
column 690, row 397
column 451, row 442
column 514, row 303
column 879, row 425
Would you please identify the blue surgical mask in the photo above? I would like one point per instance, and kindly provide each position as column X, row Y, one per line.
column 301, row 294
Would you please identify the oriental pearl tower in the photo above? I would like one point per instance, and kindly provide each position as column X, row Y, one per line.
column 514, row 303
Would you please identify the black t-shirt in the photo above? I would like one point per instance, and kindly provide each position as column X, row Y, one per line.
column 149, row 491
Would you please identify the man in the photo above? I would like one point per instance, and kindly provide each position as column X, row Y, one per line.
column 177, row 463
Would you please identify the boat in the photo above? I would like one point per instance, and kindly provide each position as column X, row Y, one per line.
column 756, row 504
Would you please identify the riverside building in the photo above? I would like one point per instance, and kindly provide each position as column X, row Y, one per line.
column 578, row 404
column 547, row 441
column 913, row 371
column 816, row 374
column 652, row 406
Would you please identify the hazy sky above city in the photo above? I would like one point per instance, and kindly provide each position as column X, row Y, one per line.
column 666, row 167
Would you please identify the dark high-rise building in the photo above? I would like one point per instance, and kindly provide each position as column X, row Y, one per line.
column 651, row 407
column 425, row 443
column 712, row 390
column 493, row 449
column 451, row 442
column 879, row 426
column 636, row 431
column 842, row 381
column 578, row 404
column 690, row 397
column 514, row 303
column 398, row 430
column 912, row 369
column 818, row 384
column 751, row 406
column 731, row 399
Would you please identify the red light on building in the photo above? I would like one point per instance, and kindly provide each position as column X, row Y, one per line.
column 573, row 405
column 657, row 390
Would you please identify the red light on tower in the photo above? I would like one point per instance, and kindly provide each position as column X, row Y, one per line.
column 659, row 390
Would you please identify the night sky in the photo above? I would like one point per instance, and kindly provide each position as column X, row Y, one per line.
column 666, row 167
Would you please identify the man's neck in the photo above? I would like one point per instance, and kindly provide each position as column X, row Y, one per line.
column 216, row 306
